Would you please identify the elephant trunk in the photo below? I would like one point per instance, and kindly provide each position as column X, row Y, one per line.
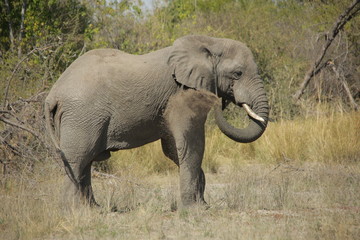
column 258, row 122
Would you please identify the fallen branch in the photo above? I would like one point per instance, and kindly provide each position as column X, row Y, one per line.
column 107, row 175
column 11, row 114
column 23, row 128
column 13, row 149
column 22, row 137
column 346, row 16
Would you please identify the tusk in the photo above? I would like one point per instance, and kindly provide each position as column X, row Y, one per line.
column 251, row 113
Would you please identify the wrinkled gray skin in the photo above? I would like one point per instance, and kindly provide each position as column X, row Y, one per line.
column 108, row 100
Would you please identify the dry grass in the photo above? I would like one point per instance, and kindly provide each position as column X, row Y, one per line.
column 309, row 201
column 329, row 138
column 300, row 181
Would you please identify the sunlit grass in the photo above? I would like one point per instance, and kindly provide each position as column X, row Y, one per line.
column 331, row 138
column 147, row 159
column 327, row 139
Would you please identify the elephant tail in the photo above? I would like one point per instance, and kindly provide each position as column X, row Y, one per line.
column 51, row 108
column 52, row 118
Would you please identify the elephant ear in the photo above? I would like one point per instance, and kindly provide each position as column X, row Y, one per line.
column 192, row 62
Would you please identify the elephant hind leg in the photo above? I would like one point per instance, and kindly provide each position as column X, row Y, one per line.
column 78, row 180
column 81, row 145
column 201, row 187
column 86, row 191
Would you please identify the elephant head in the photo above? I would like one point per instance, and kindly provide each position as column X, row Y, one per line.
column 226, row 68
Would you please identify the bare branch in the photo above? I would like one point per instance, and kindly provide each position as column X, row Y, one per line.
column 21, row 127
column 16, row 69
column 346, row 16
column 13, row 149
column 346, row 87
column 11, row 114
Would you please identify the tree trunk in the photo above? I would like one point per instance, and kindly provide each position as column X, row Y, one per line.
column 11, row 32
column 22, row 27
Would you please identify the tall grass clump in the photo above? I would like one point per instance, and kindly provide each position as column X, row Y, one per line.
column 144, row 160
column 330, row 137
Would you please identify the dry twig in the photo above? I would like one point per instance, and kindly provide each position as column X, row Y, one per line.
column 346, row 87
column 17, row 67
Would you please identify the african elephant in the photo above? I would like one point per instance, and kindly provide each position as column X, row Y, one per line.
column 108, row 100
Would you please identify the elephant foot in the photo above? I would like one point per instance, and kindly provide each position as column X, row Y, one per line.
column 76, row 201
column 115, row 209
column 91, row 202
column 195, row 207
column 198, row 203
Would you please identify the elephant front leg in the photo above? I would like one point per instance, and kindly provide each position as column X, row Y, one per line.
column 192, row 177
column 185, row 117
column 190, row 149
column 192, row 185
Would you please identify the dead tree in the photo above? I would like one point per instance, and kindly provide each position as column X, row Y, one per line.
column 345, row 85
column 319, row 64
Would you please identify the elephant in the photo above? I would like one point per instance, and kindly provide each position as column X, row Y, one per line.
column 108, row 100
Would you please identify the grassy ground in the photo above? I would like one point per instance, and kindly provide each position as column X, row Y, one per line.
column 299, row 181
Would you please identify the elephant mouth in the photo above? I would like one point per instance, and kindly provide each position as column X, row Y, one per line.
column 258, row 120
column 251, row 113
column 245, row 106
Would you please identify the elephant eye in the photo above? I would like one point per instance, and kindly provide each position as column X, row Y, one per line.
column 237, row 75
